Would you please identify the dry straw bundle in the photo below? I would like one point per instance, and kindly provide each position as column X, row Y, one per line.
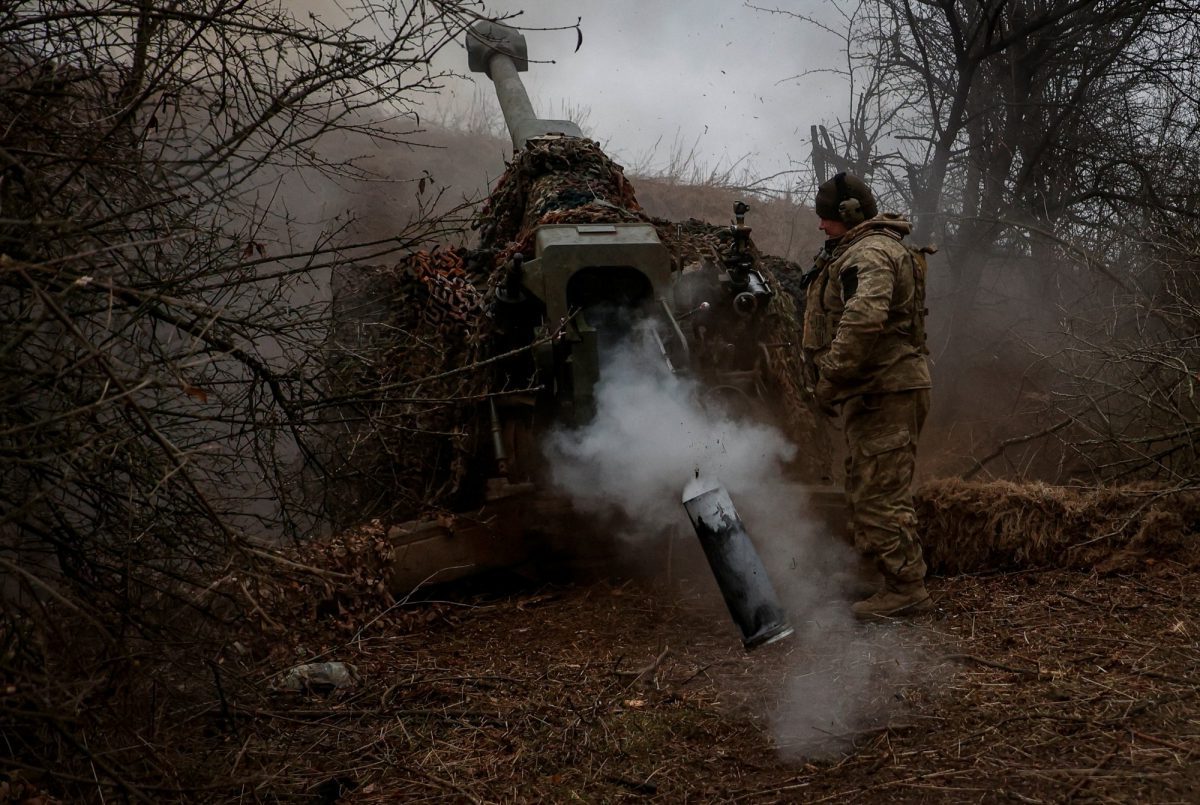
column 977, row 527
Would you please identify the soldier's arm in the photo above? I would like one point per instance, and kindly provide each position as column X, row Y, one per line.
column 865, row 314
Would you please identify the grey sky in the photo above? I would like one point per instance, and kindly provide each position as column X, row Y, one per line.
column 653, row 73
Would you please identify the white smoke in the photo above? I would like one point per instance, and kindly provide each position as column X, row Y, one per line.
column 655, row 435
column 650, row 436
column 841, row 682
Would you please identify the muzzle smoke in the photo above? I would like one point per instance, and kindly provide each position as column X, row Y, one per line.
column 656, row 436
column 651, row 435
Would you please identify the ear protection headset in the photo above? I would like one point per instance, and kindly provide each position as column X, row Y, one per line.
column 850, row 209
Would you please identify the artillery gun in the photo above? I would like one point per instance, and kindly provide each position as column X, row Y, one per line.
column 593, row 279
column 567, row 266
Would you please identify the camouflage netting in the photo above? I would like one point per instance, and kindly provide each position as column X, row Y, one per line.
column 406, row 339
column 554, row 181
column 976, row 527
column 353, row 583
column 402, row 328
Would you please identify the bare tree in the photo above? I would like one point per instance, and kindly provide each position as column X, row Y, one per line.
column 1047, row 146
column 985, row 117
column 163, row 310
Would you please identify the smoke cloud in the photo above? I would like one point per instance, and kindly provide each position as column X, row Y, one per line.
column 653, row 435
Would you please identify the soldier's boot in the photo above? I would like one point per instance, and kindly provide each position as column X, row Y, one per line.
column 903, row 592
column 895, row 600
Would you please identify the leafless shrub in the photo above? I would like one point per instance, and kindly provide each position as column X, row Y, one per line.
column 163, row 307
column 1048, row 148
column 1126, row 399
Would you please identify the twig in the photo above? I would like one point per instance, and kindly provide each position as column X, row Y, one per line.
column 226, row 716
column 1162, row 742
column 1007, row 443
column 647, row 788
column 648, row 669
column 1074, row 597
column 316, row 571
column 999, row 666
column 276, row 625
column 1087, row 778
column 404, row 600
column 57, row 596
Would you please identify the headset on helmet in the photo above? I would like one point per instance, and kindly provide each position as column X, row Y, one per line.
column 849, row 208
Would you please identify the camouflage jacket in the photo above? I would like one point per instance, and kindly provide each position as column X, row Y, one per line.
column 864, row 316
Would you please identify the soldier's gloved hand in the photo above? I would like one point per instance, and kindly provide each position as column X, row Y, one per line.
column 824, row 394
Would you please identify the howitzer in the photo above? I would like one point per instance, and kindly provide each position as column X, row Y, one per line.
column 567, row 266
column 597, row 279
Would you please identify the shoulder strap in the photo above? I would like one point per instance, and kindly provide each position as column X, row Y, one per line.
column 920, row 268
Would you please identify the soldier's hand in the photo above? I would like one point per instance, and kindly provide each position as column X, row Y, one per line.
column 824, row 394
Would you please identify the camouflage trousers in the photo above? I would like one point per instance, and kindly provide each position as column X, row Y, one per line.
column 881, row 437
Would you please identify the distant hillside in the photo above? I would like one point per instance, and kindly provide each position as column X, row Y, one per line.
column 463, row 166
column 781, row 228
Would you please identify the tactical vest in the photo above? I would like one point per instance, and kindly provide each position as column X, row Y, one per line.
column 816, row 280
column 827, row 294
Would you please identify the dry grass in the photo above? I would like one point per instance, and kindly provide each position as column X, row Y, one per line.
column 1031, row 686
column 971, row 527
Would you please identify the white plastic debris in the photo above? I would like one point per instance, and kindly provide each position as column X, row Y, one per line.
column 318, row 676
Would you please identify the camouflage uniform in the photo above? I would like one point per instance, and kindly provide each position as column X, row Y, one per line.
column 864, row 337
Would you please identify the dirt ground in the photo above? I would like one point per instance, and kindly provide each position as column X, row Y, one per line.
column 1031, row 686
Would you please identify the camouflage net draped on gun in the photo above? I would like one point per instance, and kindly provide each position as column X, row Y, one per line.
column 403, row 357
column 554, row 181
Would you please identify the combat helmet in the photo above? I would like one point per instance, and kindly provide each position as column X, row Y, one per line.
column 845, row 198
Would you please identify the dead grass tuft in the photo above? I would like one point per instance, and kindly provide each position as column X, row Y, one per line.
column 974, row 527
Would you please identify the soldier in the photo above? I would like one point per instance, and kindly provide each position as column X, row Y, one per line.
column 864, row 341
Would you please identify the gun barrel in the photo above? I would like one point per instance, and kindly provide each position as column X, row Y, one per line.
column 514, row 100
column 500, row 51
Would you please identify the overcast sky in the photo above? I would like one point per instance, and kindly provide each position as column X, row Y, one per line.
column 655, row 75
